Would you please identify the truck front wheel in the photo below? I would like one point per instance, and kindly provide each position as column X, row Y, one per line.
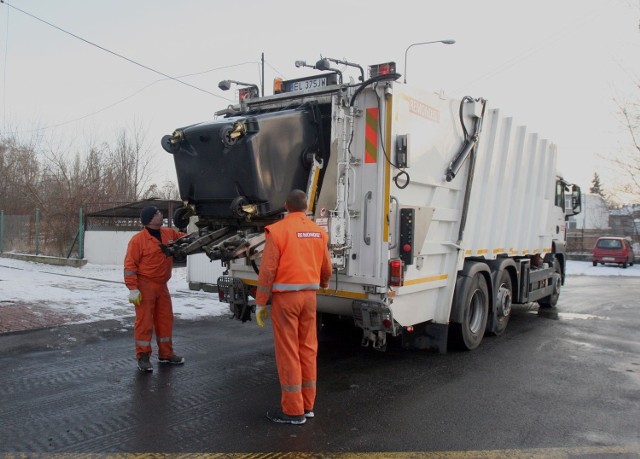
column 468, row 334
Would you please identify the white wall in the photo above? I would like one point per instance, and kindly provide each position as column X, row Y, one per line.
column 594, row 215
column 201, row 270
column 106, row 247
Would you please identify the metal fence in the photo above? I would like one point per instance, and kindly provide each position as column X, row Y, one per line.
column 40, row 233
column 62, row 235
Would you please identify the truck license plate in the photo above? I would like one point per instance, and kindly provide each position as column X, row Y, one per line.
column 307, row 84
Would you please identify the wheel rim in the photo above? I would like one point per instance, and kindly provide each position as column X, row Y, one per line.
column 504, row 301
column 476, row 310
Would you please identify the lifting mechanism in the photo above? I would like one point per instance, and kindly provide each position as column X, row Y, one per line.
column 225, row 244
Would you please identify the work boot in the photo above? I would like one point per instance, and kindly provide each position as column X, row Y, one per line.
column 143, row 363
column 174, row 359
column 279, row 417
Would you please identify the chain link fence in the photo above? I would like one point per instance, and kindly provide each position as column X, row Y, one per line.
column 42, row 233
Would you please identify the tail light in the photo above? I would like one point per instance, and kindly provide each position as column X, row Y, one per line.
column 395, row 273
column 386, row 68
column 247, row 93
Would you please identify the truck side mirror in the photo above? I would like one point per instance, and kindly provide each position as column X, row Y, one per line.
column 576, row 201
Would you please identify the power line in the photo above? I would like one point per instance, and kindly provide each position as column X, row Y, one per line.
column 113, row 52
column 127, row 98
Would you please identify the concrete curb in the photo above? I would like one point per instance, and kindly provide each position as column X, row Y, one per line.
column 58, row 261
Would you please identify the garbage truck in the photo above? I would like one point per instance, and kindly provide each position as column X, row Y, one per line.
column 441, row 213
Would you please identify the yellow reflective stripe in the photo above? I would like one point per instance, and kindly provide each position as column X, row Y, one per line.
column 166, row 339
column 386, row 167
column 308, row 384
column 295, row 388
column 295, row 287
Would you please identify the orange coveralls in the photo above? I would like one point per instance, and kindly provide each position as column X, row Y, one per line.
column 148, row 269
column 295, row 263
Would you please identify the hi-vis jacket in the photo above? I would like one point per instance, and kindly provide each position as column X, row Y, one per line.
column 295, row 257
column 145, row 259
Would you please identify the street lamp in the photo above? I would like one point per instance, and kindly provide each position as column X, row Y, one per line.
column 446, row 42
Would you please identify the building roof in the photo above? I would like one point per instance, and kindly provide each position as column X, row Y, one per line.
column 131, row 210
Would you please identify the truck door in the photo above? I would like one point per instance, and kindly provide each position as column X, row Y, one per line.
column 368, row 259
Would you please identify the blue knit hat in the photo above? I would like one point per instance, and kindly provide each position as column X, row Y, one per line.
column 147, row 214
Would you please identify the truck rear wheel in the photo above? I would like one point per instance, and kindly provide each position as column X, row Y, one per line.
column 504, row 296
column 468, row 334
column 552, row 300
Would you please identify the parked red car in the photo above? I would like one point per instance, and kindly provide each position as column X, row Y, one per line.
column 613, row 250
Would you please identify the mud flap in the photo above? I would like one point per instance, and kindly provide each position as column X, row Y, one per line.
column 428, row 336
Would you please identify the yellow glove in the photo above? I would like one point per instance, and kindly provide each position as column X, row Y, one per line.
column 135, row 297
column 262, row 315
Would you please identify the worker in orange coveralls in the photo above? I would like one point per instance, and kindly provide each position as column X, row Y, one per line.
column 147, row 269
column 295, row 263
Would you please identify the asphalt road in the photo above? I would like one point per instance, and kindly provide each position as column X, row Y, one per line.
column 559, row 383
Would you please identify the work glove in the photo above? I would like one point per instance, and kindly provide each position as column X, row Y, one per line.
column 261, row 315
column 166, row 250
column 135, row 297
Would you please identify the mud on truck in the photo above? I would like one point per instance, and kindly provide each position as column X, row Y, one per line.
column 441, row 212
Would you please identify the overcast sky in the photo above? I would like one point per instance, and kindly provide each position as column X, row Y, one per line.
column 553, row 65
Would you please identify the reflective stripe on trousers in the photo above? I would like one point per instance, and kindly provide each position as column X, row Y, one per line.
column 294, row 287
column 293, row 315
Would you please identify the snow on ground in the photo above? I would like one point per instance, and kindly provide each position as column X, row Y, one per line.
column 94, row 292
column 97, row 292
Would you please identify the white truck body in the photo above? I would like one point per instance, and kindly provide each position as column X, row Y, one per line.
column 425, row 199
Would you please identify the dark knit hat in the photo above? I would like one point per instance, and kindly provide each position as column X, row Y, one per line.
column 147, row 214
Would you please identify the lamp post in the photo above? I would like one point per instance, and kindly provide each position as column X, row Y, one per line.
column 446, row 42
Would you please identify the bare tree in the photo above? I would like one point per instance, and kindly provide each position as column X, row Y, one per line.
column 19, row 175
column 627, row 163
column 130, row 165
column 168, row 190
column 59, row 180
